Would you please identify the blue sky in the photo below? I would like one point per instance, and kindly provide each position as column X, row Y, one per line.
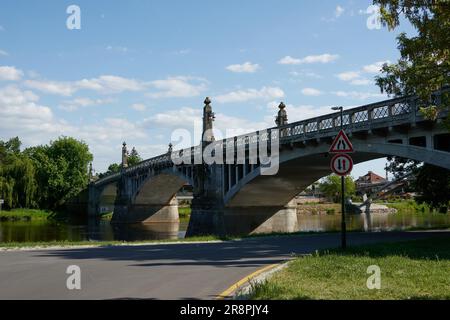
column 138, row 70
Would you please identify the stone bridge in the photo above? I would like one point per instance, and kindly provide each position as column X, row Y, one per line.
column 248, row 194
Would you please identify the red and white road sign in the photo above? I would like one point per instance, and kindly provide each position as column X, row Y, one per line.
column 342, row 164
column 341, row 144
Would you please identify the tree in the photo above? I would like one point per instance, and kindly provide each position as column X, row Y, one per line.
column 134, row 157
column 112, row 168
column 433, row 185
column 424, row 64
column 423, row 68
column 17, row 175
column 331, row 187
column 62, row 170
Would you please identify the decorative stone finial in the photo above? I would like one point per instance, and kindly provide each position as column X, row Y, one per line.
column 208, row 118
column 281, row 118
column 124, row 155
column 170, row 148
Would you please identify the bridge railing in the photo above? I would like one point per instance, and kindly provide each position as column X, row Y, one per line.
column 388, row 112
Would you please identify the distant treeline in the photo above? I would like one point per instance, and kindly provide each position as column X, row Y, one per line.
column 45, row 176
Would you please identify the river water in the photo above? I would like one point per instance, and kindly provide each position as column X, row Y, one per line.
column 32, row 231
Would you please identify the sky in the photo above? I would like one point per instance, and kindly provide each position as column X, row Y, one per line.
column 138, row 71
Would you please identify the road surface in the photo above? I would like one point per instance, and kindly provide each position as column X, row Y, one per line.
column 162, row 271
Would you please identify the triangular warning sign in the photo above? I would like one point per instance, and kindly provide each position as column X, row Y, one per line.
column 341, row 144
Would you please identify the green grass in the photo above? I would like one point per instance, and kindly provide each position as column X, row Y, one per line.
column 184, row 212
column 67, row 243
column 106, row 216
column 408, row 206
column 25, row 214
column 409, row 270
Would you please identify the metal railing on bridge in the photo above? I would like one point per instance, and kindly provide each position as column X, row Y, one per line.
column 386, row 113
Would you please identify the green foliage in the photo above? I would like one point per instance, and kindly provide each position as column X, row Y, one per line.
column 113, row 168
column 44, row 176
column 424, row 64
column 17, row 176
column 432, row 183
column 331, row 187
column 134, row 158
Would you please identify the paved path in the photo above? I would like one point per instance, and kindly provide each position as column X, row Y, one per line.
column 167, row 271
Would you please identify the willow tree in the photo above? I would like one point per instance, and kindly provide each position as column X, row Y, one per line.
column 17, row 176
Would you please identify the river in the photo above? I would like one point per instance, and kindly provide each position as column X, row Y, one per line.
column 102, row 230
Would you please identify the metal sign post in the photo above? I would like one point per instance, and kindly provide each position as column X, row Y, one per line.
column 342, row 165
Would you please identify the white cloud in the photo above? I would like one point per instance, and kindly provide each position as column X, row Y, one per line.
column 178, row 87
column 110, row 84
column 247, row 67
column 175, row 118
column 301, row 112
column 3, row 53
column 265, row 93
column 338, row 11
column 105, row 84
column 117, row 49
column 360, row 82
column 349, row 75
column 52, row 87
column 322, row 58
column 22, row 115
column 289, row 60
column 311, row 92
column 305, row 74
column 357, row 95
column 374, row 67
column 10, row 73
column 355, row 77
column 72, row 105
column 182, row 52
column 138, row 107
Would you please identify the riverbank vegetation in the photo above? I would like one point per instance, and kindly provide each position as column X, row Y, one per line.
column 25, row 214
column 409, row 270
column 44, row 176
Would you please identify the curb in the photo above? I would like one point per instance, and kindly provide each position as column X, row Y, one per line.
column 242, row 288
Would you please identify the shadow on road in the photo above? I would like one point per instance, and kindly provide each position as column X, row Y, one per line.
column 251, row 252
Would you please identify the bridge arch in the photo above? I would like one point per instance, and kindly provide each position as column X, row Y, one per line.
column 266, row 201
column 300, row 167
column 152, row 199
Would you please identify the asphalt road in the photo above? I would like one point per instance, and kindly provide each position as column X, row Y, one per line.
column 163, row 271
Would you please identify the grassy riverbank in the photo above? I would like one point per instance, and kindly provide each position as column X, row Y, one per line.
column 26, row 215
column 48, row 244
column 408, row 206
column 409, row 270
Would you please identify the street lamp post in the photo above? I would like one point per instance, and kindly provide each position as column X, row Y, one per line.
column 343, row 225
